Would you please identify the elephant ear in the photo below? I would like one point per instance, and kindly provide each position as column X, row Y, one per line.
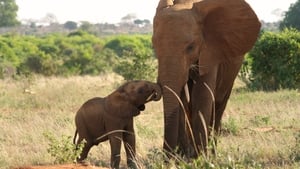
column 230, row 28
column 117, row 105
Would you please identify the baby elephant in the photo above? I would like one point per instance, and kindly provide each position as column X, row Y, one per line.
column 111, row 118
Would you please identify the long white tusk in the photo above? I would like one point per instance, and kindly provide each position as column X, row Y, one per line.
column 186, row 91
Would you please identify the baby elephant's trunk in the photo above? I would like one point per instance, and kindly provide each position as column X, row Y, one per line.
column 156, row 95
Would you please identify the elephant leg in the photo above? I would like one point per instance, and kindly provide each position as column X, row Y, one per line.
column 87, row 146
column 83, row 135
column 203, row 109
column 201, row 117
column 129, row 144
column 220, row 107
column 224, row 86
column 115, row 146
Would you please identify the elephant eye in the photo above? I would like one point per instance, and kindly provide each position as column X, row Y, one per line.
column 190, row 48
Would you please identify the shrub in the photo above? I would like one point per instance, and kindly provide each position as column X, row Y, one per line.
column 6, row 69
column 231, row 126
column 137, row 66
column 78, row 53
column 274, row 61
column 62, row 149
column 122, row 45
column 40, row 64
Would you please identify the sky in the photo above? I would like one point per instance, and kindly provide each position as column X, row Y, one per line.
column 111, row 11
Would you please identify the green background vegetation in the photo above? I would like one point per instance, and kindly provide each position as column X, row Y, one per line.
column 77, row 53
column 274, row 61
column 272, row 64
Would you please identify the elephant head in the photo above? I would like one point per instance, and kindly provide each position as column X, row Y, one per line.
column 130, row 98
column 195, row 43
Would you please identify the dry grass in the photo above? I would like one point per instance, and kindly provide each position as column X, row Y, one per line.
column 260, row 128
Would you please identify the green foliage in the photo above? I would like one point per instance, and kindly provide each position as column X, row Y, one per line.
column 135, row 55
column 220, row 160
column 8, row 13
column 156, row 158
column 291, row 17
column 231, row 126
column 137, row 44
column 86, row 26
column 260, row 120
column 274, row 61
column 78, row 53
column 137, row 67
column 62, row 149
column 6, row 69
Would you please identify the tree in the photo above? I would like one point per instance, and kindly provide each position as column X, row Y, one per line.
column 71, row 25
column 141, row 22
column 50, row 19
column 8, row 13
column 128, row 18
column 291, row 17
column 138, row 22
column 146, row 21
column 86, row 26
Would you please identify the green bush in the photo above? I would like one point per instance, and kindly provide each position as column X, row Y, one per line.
column 122, row 45
column 78, row 53
column 274, row 61
column 137, row 66
column 231, row 126
column 62, row 149
column 6, row 69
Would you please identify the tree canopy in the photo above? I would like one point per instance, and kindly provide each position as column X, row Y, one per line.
column 291, row 17
column 8, row 13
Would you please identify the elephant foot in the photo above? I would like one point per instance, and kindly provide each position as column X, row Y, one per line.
column 83, row 162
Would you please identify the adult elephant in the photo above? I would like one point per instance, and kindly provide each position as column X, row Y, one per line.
column 200, row 48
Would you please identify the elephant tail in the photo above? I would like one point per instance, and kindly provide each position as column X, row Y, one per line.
column 75, row 136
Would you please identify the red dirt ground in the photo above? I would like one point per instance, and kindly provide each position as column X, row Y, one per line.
column 64, row 166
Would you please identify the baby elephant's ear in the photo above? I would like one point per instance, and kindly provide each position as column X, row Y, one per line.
column 118, row 106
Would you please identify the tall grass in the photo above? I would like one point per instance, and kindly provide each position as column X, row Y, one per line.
column 260, row 129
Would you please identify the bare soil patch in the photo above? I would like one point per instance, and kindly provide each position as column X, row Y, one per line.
column 63, row 166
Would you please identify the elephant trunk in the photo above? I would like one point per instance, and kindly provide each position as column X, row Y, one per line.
column 172, row 76
column 171, row 114
column 158, row 92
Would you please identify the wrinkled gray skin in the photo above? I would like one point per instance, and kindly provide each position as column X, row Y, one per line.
column 100, row 119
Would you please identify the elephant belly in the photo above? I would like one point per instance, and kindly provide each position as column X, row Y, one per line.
column 96, row 128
